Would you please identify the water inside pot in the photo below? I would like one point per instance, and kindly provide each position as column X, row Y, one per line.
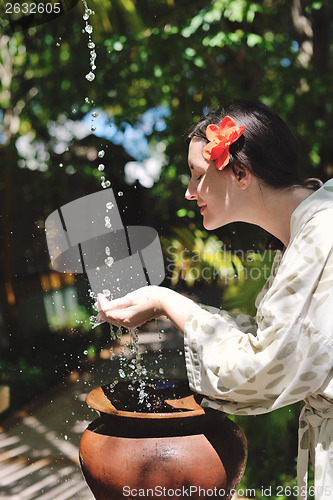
column 150, row 398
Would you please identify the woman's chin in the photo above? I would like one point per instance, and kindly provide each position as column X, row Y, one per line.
column 210, row 225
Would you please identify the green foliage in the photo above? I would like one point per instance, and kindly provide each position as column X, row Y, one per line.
column 197, row 258
column 240, row 296
column 272, row 448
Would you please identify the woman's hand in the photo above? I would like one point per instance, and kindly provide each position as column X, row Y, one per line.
column 144, row 304
column 132, row 310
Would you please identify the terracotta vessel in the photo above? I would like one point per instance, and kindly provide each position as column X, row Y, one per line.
column 178, row 451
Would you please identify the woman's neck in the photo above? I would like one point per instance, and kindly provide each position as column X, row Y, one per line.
column 275, row 209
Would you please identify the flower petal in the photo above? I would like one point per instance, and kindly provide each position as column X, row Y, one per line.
column 211, row 151
column 211, row 131
column 220, row 138
column 207, row 150
column 235, row 133
column 226, row 124
column 223, row 160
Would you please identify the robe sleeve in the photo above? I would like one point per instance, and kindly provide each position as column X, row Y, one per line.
column 289, row 354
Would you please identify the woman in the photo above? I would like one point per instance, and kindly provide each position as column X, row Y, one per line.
column 243, row 162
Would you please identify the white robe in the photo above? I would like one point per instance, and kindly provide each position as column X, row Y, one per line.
column 249, row 366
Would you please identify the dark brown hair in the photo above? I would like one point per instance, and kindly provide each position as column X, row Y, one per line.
column 267, row 147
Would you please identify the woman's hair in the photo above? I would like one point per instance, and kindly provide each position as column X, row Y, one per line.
column 267, row 147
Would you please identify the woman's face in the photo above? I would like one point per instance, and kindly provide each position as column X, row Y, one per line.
column 214, row 190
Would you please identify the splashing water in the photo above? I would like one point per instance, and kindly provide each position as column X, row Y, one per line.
column 107, row 221
column 89, row 29
column 90, row 76
column 105, row 184
column 131, row 366
column 109, row 261
column 141, row 384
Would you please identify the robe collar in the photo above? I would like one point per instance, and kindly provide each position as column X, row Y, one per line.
column 321, row 199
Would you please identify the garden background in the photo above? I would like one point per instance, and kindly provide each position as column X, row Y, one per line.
column 152, row 68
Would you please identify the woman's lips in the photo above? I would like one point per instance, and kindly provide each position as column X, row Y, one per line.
column 202, row 208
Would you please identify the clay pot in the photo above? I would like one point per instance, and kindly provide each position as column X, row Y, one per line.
column 182, row 452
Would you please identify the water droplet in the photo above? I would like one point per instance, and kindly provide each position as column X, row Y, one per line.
column 91, row 45
column 107, row 251
column 92, row 128
column 109, row 205
column 107, row 184
column 121, row 373
column 106, row 293
column 61, row 165
column 107, row 220
column 120, row 193
column 101, row 167
column 86, row 100
column 109, row 261
column 90, row 76
column 58, row 44
column 94, row 114
column 101, row 153
column 89, row 29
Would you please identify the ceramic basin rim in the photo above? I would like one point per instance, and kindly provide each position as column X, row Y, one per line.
column 97, row 400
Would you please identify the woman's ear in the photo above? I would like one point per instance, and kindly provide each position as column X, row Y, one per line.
column 242, row 175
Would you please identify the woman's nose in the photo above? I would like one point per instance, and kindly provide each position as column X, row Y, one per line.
column 191, row 191
column 190, row 194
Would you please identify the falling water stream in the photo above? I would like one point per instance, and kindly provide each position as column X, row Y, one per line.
column 141, row 386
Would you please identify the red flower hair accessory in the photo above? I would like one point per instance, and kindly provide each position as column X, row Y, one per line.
column 220, row 138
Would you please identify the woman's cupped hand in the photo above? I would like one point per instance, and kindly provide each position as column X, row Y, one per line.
column 132, row 310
